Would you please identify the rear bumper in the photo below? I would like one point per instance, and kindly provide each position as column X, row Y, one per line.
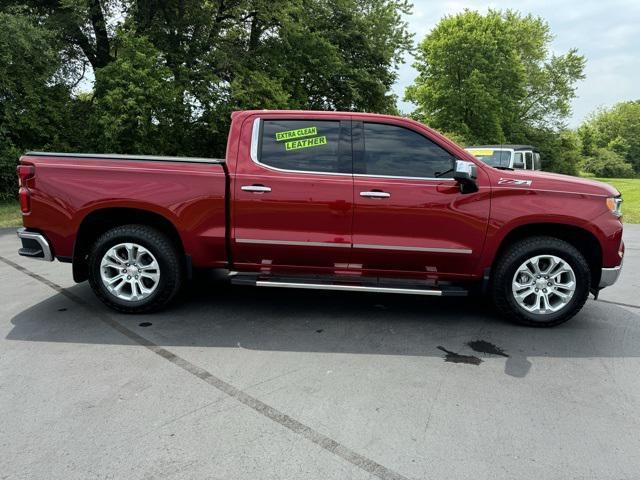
column 609, row 276
column 34, row 245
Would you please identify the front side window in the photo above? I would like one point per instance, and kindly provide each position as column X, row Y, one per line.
column 394, row 151
column 305, row 145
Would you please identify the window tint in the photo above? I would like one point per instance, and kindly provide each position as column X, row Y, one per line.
column 307, row 145
column 399, row 152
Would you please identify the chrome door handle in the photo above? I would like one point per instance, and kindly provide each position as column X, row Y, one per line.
column 375, row 194
column 255, row 188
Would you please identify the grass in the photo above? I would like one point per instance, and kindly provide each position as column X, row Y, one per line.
column 10, row 215
column 630, row 190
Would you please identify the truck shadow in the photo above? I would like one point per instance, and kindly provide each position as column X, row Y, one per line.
column 216, row 314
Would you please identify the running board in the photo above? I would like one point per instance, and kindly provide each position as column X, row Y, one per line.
column 408, row 288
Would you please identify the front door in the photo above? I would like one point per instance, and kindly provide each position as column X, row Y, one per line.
column 293, row 199
column 410, row 217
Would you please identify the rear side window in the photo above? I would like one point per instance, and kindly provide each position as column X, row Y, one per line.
column 305, row 145
column 394, row 151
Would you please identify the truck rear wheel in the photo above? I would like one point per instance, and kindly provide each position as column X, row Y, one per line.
column 135, row 269
column 540, row 282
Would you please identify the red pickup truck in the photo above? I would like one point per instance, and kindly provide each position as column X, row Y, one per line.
column 325, row 200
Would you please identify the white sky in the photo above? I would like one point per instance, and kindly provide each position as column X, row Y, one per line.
column 606, row 32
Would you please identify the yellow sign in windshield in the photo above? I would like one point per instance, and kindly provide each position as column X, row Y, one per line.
column 480, row 152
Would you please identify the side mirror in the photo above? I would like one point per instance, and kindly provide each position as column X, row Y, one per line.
column 465, row 175
column 518, row 165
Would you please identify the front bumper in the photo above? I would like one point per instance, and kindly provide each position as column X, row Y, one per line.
column 609, row 276
column 34, row 245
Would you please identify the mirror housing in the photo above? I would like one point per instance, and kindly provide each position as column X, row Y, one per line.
column 465, row 174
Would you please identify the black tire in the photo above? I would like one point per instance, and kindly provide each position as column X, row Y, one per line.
column 166, row 254
column 518, row 253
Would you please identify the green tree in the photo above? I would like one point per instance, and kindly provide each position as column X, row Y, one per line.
column 215, row 56
column 134, row 101
column 80, row 26
column 616, row 129
column 301, row 54
column 559, row 150
column 491, row 78
column 35, row 110
column 607, row 163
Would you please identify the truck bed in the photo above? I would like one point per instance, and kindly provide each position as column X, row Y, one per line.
column 70, row 190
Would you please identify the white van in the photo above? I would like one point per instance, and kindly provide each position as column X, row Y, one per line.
column 524, row 157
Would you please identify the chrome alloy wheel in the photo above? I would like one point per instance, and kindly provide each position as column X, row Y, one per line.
column 129, row 272
column 543, row 284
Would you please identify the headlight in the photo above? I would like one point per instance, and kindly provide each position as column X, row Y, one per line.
column 615, row 205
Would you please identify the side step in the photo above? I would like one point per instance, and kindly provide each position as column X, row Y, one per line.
column 349, row 285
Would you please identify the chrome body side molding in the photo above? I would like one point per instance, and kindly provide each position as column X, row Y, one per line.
column 293, row 243
column 413, row 249
column 355, row 245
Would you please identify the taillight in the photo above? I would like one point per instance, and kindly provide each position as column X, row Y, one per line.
column 25, row 173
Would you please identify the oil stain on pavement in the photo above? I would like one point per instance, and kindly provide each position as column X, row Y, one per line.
column 516, row 366
column 482, row 346
column 454, row 357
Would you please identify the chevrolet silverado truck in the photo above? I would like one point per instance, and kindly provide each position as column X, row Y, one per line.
column 325, row 200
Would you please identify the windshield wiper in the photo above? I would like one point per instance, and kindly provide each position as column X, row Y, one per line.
column 504, row 168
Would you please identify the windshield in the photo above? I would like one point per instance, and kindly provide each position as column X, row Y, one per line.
column 492, row 156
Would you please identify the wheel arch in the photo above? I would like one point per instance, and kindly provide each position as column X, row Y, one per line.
column 583, row 240
column 98, row 221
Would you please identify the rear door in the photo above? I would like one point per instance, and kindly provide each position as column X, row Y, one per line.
column 410, row 217
column 293, row 194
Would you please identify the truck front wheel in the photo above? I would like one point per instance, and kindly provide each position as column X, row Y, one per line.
column 540, row 282
column 134, row 269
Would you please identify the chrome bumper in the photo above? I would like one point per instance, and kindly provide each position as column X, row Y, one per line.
column 34, row 245
column 609, row 276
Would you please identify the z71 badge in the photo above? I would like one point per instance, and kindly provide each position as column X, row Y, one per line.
column 513, row 181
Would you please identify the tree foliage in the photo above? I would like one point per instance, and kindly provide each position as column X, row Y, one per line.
column 603, row 162
column 135, row 101
column 616, row 130
column 34, row 102
column 168, row 73
column 492, row 79
column 559, row 150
